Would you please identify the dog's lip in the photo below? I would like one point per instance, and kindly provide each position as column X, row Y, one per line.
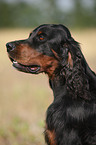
column 34, row 68
column 30, row 69
column 26, row 68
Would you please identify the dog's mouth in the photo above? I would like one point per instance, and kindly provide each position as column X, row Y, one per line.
column 34, row 68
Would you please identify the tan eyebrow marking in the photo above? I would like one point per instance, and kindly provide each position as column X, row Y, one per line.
column 39, row 32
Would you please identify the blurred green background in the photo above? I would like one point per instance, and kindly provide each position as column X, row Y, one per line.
column 24, row 98
column 28, row 13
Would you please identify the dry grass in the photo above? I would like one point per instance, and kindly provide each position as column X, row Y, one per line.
column 24, row 98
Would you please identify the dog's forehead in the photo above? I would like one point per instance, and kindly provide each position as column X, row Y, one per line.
column 43, row 28
column 51, row 28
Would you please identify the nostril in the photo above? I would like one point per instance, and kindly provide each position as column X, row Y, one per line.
column 10, row 47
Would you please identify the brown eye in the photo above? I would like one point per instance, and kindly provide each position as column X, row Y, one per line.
column 41, row 37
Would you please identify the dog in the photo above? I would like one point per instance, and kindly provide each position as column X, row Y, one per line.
column 50, row 48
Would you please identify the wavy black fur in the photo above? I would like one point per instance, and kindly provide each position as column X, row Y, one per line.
column 73, row 112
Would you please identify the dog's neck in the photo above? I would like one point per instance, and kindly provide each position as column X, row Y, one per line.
column 58, row 86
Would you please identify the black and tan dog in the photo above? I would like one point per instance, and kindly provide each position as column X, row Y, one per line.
column 71, row 118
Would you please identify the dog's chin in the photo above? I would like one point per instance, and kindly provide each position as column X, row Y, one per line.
column 33, row 69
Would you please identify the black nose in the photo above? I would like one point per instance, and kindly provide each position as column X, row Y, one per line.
column 10, row 46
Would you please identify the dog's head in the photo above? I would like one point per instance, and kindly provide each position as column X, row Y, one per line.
column 46, row 48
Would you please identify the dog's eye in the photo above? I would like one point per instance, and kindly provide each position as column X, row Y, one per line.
column 41, row 37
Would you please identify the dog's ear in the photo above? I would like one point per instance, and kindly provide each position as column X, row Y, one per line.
column 70, row 60
column 66, row 56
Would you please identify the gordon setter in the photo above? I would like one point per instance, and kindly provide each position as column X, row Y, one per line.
column 50, row 48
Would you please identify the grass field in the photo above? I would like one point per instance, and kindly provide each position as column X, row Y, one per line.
column 24, row 98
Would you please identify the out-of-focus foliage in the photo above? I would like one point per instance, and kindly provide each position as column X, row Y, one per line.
column 24, row 14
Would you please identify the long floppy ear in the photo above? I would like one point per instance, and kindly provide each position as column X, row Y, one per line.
column 66, row 56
